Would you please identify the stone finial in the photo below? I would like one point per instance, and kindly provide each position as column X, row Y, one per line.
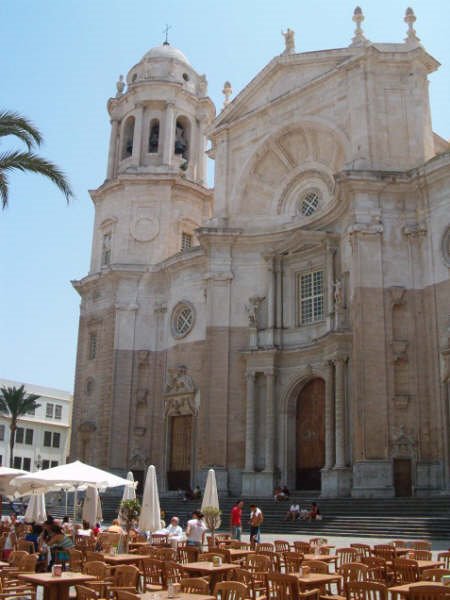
column 227, row 91
column 359, row 39
column 289, row 41
column 410, row 19
column 120, row 85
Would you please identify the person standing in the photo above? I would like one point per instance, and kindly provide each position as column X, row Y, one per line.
column 236, row 520
column 195, row 530
column 256, row 518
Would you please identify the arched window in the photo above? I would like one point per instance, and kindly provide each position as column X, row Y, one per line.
column 182, row 134
column 153, row 138
column 127, row 138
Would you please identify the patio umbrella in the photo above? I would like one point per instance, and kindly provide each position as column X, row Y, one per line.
column 129, row 492
column 150, row 518
column 92, row 506
column 6, row 476
column 36, row 512
column 211, row 501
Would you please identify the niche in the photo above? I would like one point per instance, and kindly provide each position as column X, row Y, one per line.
column 153, row 139
column 182, row 133
column 128, row 135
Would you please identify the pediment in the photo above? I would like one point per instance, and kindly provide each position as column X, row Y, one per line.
column 284, row 75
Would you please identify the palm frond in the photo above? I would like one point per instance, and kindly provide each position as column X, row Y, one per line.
column 12, row 123
column 28, row 161
column 3, row 189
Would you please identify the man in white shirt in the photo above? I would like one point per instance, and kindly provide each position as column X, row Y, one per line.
column 293, row 513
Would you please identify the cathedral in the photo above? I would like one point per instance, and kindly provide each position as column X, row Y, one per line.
column 291, row 325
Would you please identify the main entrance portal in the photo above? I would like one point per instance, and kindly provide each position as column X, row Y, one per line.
column 179, row 473
column 310, row 435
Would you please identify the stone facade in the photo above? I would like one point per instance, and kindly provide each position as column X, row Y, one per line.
column 292, row 324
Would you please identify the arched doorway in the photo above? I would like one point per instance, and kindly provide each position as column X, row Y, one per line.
column 310, row 435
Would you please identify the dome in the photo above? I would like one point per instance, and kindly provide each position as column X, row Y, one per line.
column 167, row 51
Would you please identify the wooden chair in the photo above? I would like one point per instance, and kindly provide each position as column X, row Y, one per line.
column 282, row 546
column 152, row 574
column 385, row 551
column 187, row 554
column 265, row 547
column 292, row 562
column 101, row 572
column 345, row 555
column 173, row 573
column 317, row 566
column 165, row 554
column 107, row 540
column 159, row 539
column 85, row 593
column 445, row 558
column 302, row 546
column 195, row 585
column 366, row 590
column 363, row 550
column 222, row 537
column 405, row 570
column 434, row 574
column 25, row 545
column 315, row 540
column 378, row 570
column 422, row 555
column 230, row 590
column 274, row 557
column 399, row 543
column 125, row 579
column 75, row 560
column 286, row 587
column 420, row 545
column 245, row 577
column 258, row 565
column 353, row 572
column 90, row 556
column 209, row 556
column 128, row 596
column 427, row 591
column 16, row 589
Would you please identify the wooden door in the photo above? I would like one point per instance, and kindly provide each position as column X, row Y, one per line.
column 402, row 477
column 179, row 474
column 310, row 435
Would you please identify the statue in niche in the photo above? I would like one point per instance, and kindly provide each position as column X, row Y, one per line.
column 153, row 141
column 338, row 293
column 180, row 140
column 289, row 41
column 179, row 381
column 120, row 86
column 252, row 309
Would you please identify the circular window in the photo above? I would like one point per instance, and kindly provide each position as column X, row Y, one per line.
column 185, row 76
column 309, row 202
column 183, row 317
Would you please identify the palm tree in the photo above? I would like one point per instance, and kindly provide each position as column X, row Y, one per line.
column 14, row 124
column 14, row 403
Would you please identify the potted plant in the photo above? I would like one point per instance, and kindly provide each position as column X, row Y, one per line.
column 212, row 518
column 129, row 513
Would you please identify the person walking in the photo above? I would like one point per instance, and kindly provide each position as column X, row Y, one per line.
column 236, row 520
column 256, row 518
column 195, row 530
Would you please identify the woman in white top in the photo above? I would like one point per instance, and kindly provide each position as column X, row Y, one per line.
column 173, row 529
column 195, row 530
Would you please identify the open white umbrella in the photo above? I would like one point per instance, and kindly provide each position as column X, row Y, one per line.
column 211, row 501
column 150, row 518
column 6, row 476
column 36, row 512
column 92, row 506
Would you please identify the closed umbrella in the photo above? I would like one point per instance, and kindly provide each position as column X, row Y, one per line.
column 92, row 506
column 36, row 512
column 210, row 504
column 129, row 492
column 150, row 517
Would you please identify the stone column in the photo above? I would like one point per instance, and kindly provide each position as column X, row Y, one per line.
column 339, row 397
column 270, row 421
column 112, row 156
column 270, row 298
column 250, row 423
column 137, row 138
column 329, row 420
column 168, row 139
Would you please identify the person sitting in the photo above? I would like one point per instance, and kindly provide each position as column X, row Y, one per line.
column 314, row 513
column 279, row 495
column 115, row 527
column 197, row 493
column 59, row 545
column 174, row 531
column 293, row 513
column 286, row 492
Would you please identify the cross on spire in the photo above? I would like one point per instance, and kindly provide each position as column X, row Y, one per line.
column 166, row 32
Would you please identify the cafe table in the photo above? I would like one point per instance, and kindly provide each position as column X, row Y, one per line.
column 312, row 580
column 163, row 595
column 403, row 590
column 428, row 564
column 114, row 560
column 236, row 553
column 56, row 587
column 321, row 557
column 201, row 568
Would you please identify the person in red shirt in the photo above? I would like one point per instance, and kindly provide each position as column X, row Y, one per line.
column 236, row 520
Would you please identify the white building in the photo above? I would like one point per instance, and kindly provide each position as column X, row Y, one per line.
column 42, row 437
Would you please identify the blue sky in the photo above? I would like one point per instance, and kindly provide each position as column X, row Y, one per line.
column 60, row 61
